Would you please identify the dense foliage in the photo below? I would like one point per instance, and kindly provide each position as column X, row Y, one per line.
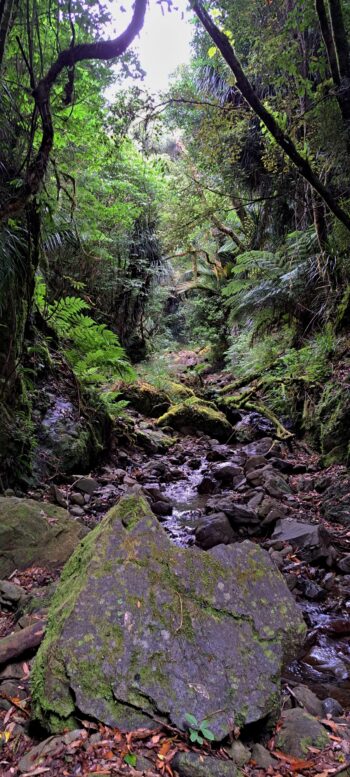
column 177, row 219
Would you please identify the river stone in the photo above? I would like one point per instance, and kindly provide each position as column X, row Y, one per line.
column 140, row 628
column 35, row 532
column 297, row 533
column 300, row 731
column 214, row 530
column 195, row 765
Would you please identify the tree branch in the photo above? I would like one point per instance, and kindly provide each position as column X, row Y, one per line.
column 282, row 139
column 103, row 50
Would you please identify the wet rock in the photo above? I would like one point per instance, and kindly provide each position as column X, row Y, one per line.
column 227, row 473
column 276, row 486
column 194, row 463
column 138, row 605
column 194, row 765
column 239, row 514
column 259, row 477
column 311, row 590
column 259, row 447
column 255, row 463
column 308, row 700
column 11, row 595
column 344, row 564
column 219, row 452
column 87, row 485
column 162, row 508
column 332, row 707
column 35, row 532
column 206, row 486
column 214, row 531
column 298, row 534
column 262, row 757
column 300, row 731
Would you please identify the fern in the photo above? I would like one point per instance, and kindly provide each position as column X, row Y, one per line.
column 93, row 351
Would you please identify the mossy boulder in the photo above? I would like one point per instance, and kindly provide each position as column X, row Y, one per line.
column 35, row 533
column 141, row 629
column 300, row 731
column 334, row 414
column 332, row 419
column 144, row 398
column 67, row 441
column 178, row 391
column 194, row 415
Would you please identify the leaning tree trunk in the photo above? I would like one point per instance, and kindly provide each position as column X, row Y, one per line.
column 282, row 139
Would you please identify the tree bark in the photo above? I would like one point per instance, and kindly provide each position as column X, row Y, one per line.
column 328, row 40
column 335, row 41
column 340, row 39
column 103, row 50
column 6, row 7
column 281, row 138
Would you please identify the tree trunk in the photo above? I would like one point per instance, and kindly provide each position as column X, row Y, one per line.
column 281, row 138
column 6, row 7
column 335, row 41
column 340, row 40
column 102, row 50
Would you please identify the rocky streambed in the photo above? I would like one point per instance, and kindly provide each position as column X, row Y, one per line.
column 216, row 504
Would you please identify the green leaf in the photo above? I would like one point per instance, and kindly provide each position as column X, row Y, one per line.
column 131, row 759
column 192, row 720
column 212, row 51
column 207, row 734
column 194, row 736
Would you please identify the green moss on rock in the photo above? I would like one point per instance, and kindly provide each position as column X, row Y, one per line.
column 197, row 415
column 333, row 415
column 144, row 398
column 139, row 628
column 32, row 531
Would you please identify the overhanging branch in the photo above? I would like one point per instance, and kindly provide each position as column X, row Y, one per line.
column 103, row 50
column 282, row 139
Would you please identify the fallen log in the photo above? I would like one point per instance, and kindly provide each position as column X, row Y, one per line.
column 21, row 641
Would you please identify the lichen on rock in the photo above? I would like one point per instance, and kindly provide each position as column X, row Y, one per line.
column 139, row 628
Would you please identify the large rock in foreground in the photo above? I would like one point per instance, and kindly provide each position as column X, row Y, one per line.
column 140, row 628
column 35, row 533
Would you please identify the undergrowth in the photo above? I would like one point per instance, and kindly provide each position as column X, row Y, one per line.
column 92, row 350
